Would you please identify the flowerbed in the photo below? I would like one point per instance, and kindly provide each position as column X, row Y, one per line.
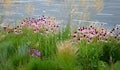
column 39, row 44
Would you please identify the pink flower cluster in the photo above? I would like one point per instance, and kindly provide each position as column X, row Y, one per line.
column 90, row 33
column 42, row 23
column 8, row 29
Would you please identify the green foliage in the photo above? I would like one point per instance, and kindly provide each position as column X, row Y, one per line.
column 37, row 64
column 65, row 33
column 89, row 54
column 111, row 52
column 111, row 49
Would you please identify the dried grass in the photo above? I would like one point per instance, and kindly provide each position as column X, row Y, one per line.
column 29, row 9
column 67, row 48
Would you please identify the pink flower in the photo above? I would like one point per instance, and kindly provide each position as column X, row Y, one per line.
column 36, row 31
column 74, row 36
column 5, row 27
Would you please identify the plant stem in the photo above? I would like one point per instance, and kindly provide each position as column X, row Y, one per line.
column 111, row 64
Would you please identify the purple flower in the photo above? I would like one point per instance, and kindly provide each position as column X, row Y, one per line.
column 35, row 52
